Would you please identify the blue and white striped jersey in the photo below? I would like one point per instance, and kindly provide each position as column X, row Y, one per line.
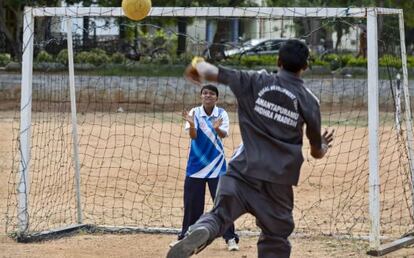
column 206, row 158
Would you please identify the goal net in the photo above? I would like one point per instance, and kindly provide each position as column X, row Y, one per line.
column 100, row 142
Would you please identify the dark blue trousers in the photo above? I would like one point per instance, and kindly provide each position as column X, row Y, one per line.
column 194, row 200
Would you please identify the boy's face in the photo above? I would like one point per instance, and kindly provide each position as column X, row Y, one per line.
column 208, row 98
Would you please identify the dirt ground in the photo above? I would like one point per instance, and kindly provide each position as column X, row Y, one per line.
column 156, row 245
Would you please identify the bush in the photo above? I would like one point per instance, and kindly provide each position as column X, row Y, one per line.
column 44, row 57
column 4, row 59
column 117, row 58
column 357, row 61
column 98, row 51
column 82, row 57
column 318, row 62
column 250, row 61
column 345, row 59
column 62, row 57
column 410, row 61
column 181, row 59
column 254, row 60
column 330, row 57
column 162, row 58
column 160, row 38
column 95, row 56
column 390, row 61
column 98, row 57
column 336, row 61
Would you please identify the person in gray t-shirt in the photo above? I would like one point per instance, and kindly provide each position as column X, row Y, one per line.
column 272, row 110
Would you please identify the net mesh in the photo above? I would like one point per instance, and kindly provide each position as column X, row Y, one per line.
column 133, row 148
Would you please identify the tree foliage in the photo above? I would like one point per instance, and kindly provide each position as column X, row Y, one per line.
column 341, row 28
column 11, row 17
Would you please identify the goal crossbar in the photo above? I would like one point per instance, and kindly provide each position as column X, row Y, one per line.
column 257, row 12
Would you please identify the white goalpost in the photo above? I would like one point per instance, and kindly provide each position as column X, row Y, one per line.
column 127, row 166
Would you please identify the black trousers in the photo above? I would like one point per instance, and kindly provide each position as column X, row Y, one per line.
column 194, row 200
column 270, row 203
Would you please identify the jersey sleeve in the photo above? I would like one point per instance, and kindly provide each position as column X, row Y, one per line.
column 240, row 81
column 225, row 126
column 312, row 117
column 187, row 124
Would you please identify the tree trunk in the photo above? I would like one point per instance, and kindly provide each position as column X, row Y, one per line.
column 220, row 37
column 17, row 44
column 13, row 34
column 85, row 33
column 182, row 32
column 339, row 33
column 312, row 33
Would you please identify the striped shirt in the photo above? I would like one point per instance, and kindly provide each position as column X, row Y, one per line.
column 206, row 158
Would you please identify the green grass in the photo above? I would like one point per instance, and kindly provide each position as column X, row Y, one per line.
column 148, row 70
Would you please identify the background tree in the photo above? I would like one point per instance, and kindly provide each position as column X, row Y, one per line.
column 223, row 25
column 85, row 31
column 182, row 22
column 11, row 22
column 305, row 26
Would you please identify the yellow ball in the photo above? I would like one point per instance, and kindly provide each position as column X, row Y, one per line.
column 136, row 9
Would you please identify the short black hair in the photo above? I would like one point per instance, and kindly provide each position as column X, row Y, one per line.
column 293, row 55
column 209, row 87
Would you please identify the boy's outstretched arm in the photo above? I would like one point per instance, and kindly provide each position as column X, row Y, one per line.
column 319, row 152
column 200, row 70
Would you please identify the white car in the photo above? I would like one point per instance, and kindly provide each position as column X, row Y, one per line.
column 257, row 47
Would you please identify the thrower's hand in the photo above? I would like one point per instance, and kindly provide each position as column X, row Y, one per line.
column 200, row 70
column 319, row 152
column 327, row 138
column 192, row 75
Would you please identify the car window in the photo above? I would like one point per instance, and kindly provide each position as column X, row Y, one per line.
column 269, row 45
column 252, row 43
column 261, row 47
column 275, row 45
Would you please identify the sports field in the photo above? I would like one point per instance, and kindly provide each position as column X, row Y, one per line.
column 110, row 199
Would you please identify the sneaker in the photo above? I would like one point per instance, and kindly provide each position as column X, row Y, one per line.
column 193, row 243
column 173, row 243
column 232, row 245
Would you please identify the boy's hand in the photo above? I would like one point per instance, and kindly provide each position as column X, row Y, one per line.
column 217, row 123
column 189, row 118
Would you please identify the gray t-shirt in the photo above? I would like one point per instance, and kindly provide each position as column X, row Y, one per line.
column 272, row 110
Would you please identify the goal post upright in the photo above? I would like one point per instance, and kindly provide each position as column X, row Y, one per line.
column 25, row 120
column 75, row 140
column 373, row 124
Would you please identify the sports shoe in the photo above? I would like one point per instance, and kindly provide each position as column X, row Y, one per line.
column 173, row 243
column 194, row 242
column 232, row 245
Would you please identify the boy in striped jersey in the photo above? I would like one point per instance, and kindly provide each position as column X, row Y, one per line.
column 207, row 125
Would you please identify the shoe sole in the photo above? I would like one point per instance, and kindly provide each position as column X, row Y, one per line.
column 190, row 244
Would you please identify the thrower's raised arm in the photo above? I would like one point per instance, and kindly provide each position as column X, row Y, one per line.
column 199, row 70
